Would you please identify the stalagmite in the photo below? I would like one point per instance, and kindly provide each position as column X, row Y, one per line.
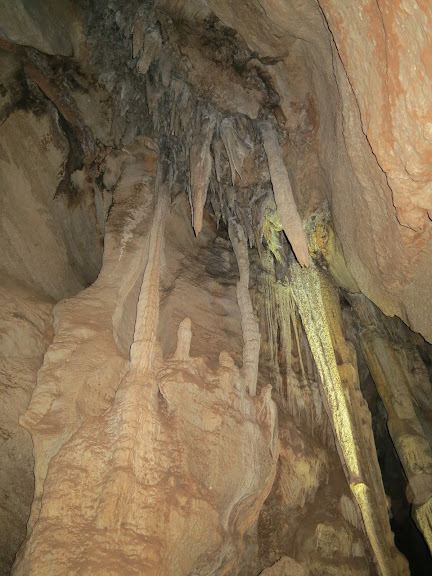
column 144, row 341
column 354, row 454
column 148, row 486
column 135, row 409
column 151, row 48
column 184, row 337
column 250, row 328
column 235, row 148
column 287, row 209
column 200, row 169
column 139, row 386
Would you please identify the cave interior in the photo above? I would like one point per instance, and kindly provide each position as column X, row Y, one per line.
column 215, row 287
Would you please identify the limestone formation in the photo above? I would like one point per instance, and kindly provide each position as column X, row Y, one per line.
column 235, row 148
column 151, row 47
column 399, row 388
column 200, row 169
column 215, row 280
column 26, row 330
column 287, row 209
column 285, row 566
column 354, row 439
column 250, row 329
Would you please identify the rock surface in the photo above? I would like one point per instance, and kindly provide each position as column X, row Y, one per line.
column 45, row 245
column 25, row 332
column 190, row 506
column 47, row 254
column 46, row 27
column 197, row 399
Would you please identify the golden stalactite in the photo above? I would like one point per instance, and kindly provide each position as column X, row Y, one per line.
column 320, row 320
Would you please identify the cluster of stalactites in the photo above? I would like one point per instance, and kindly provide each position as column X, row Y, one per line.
column 206, row 145
column 208, row 151
column 285, row 349
column 225, row 200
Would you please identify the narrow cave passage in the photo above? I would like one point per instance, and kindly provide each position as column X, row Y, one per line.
column 408, row 539
column 215, row 271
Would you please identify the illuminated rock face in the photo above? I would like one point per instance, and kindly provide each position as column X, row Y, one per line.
column 384, row 49
column 198, row 200
column 26, row 331
column 319, row 310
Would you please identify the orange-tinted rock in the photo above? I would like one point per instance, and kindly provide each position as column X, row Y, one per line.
column 385, row 48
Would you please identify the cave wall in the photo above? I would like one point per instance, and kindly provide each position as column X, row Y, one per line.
column 137, row 319
column 49, row 252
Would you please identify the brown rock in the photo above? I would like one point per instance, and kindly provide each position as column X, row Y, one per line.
column 285, row 567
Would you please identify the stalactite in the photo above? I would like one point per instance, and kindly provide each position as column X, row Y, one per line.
column 230, row 196
column 284, row 198
column 151, row 48
column 235, row 148
column 154, row 92
column 217, row 145
column 200, row 169
column 271, row 228
column 308, row 296
column 259, row 202
column 244, row 216
column 165, row 68
column 177, row 88
column 250, row 329
column 349, row 511
column 302, row 398
column 266, row 282
column 284, row 306
column 137, row 37
column 186, row 107
column 214, row 201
